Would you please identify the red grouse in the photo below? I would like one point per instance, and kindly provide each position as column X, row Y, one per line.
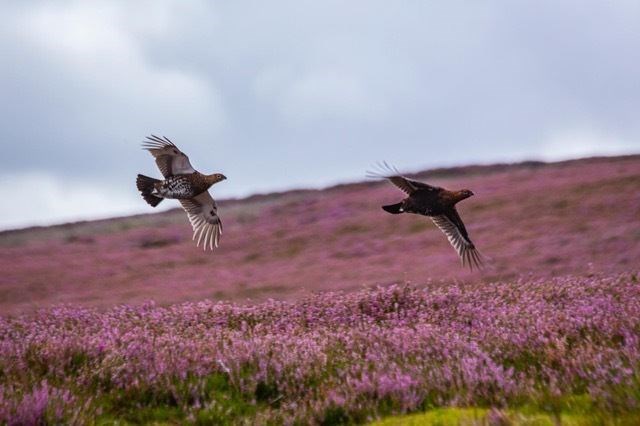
column 436, row 203
column 183, row 183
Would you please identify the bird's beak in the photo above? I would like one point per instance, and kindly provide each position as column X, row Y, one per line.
column 224, row 177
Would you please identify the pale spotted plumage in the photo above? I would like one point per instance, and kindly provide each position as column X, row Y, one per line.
column 184, row 183
column 177, row 187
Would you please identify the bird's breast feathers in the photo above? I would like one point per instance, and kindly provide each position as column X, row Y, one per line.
column 179, row 187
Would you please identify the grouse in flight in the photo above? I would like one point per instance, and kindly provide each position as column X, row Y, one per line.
column 437, row 203
column 184, row 183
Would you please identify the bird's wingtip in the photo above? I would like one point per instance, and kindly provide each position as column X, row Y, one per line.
column 382, row 170
column 473, row 259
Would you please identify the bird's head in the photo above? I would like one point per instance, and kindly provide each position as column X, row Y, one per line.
column 215, row 178
column 465, row 193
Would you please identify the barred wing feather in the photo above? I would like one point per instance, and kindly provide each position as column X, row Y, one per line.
column 169, row 159
column 385, row 171
column 203, row 215
column 459, row 239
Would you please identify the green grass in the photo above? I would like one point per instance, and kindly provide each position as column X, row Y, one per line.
column 572, row 411
column 480, row 416
column 221, row 403
column 438, row 416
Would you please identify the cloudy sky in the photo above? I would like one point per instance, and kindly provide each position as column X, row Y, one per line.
column 279, row 95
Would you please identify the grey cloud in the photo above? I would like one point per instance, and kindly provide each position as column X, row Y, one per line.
column 281, row 94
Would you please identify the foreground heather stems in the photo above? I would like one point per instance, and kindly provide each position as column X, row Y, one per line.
column 330, row 358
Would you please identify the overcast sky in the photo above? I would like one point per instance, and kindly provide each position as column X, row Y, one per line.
column 277, row 95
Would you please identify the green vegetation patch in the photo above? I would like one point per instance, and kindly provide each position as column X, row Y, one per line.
column 481, row 416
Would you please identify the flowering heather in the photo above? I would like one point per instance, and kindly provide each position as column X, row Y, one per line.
column 329, row 358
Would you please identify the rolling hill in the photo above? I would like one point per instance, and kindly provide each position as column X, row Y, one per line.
column 532, row 219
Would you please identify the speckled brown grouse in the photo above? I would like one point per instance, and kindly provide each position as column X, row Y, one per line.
column 436, row 203
column 183, row 183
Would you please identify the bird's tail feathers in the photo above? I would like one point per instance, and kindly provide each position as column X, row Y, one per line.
column 394, row 208
column 145, row 185
column 152, row 200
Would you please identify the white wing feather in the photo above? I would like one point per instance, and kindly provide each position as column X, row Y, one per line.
column 203, row 215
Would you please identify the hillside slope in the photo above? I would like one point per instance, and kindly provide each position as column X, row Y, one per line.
column 532, row 219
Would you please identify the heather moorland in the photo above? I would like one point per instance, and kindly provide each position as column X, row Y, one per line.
column 319, row 308
column 530, row 219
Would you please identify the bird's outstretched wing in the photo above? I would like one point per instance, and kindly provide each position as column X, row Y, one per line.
column 170, row 160
column 203, row 215
column 452, row 226
column 408, row 186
